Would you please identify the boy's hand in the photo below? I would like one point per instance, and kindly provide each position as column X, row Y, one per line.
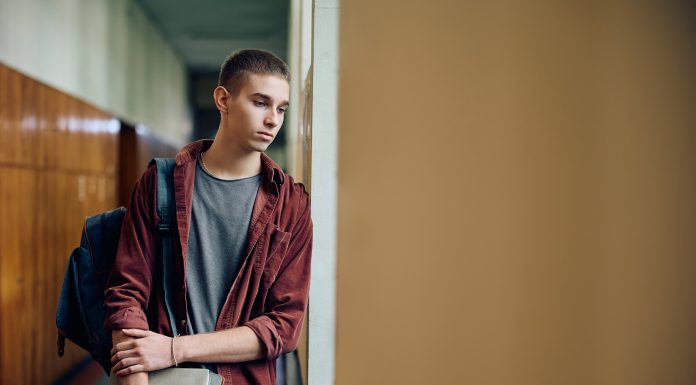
column 149, row 351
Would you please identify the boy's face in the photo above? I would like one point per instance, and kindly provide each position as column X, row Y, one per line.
column 256, row 114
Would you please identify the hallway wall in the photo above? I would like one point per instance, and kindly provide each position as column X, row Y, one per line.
column 516, row 193
column 58, row 159
column 105, row 52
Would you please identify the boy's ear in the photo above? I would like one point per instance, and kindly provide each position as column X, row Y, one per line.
column 221, row 97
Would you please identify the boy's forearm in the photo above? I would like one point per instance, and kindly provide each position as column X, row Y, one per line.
column 232, row 345
column 141, row 378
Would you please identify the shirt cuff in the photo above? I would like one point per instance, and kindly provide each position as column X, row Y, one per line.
column 128, row 318
column 268, row 335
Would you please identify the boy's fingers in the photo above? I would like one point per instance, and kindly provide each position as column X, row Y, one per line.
column 136, row 332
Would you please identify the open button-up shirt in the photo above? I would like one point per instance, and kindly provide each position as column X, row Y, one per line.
column 269, row 294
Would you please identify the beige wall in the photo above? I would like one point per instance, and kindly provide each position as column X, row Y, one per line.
column 105, row 52
column 517, row 186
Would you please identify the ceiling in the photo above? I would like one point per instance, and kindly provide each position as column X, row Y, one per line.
column 203, row 32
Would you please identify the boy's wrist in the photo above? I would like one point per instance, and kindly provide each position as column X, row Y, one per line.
column 180, row 349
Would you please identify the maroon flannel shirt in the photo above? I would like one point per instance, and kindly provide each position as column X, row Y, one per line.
column 269, row 294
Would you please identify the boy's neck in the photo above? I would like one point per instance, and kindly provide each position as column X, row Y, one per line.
column 226, row 160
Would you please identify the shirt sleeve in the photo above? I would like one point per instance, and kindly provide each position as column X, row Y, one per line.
column 280, row 326
column 129, row 284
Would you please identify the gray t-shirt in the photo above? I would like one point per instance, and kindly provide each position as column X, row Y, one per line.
column 220, row 218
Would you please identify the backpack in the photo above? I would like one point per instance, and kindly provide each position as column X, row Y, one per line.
column 80, row 314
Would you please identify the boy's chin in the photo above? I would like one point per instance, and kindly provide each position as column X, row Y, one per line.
column 260, row 148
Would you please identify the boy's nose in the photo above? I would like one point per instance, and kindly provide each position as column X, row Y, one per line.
column 271, row 119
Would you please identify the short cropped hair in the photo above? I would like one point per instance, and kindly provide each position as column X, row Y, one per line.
column 240, row 64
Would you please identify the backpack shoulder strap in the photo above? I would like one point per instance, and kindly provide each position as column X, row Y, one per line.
column 165, row 192
column 166, row 209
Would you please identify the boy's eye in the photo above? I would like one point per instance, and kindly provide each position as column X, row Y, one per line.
column 258, row 103
column 282, row 110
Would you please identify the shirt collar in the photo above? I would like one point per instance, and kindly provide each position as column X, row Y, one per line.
column 269, row 168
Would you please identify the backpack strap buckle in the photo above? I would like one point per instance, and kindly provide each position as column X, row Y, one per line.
column 61, row 345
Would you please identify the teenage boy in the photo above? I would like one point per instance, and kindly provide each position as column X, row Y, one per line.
column 241, row 241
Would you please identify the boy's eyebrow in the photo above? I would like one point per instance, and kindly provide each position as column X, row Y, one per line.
column 267, row 97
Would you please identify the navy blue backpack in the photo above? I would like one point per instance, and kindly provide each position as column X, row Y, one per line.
column 81, row 313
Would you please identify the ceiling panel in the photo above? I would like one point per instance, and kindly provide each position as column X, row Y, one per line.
column 203, row 32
